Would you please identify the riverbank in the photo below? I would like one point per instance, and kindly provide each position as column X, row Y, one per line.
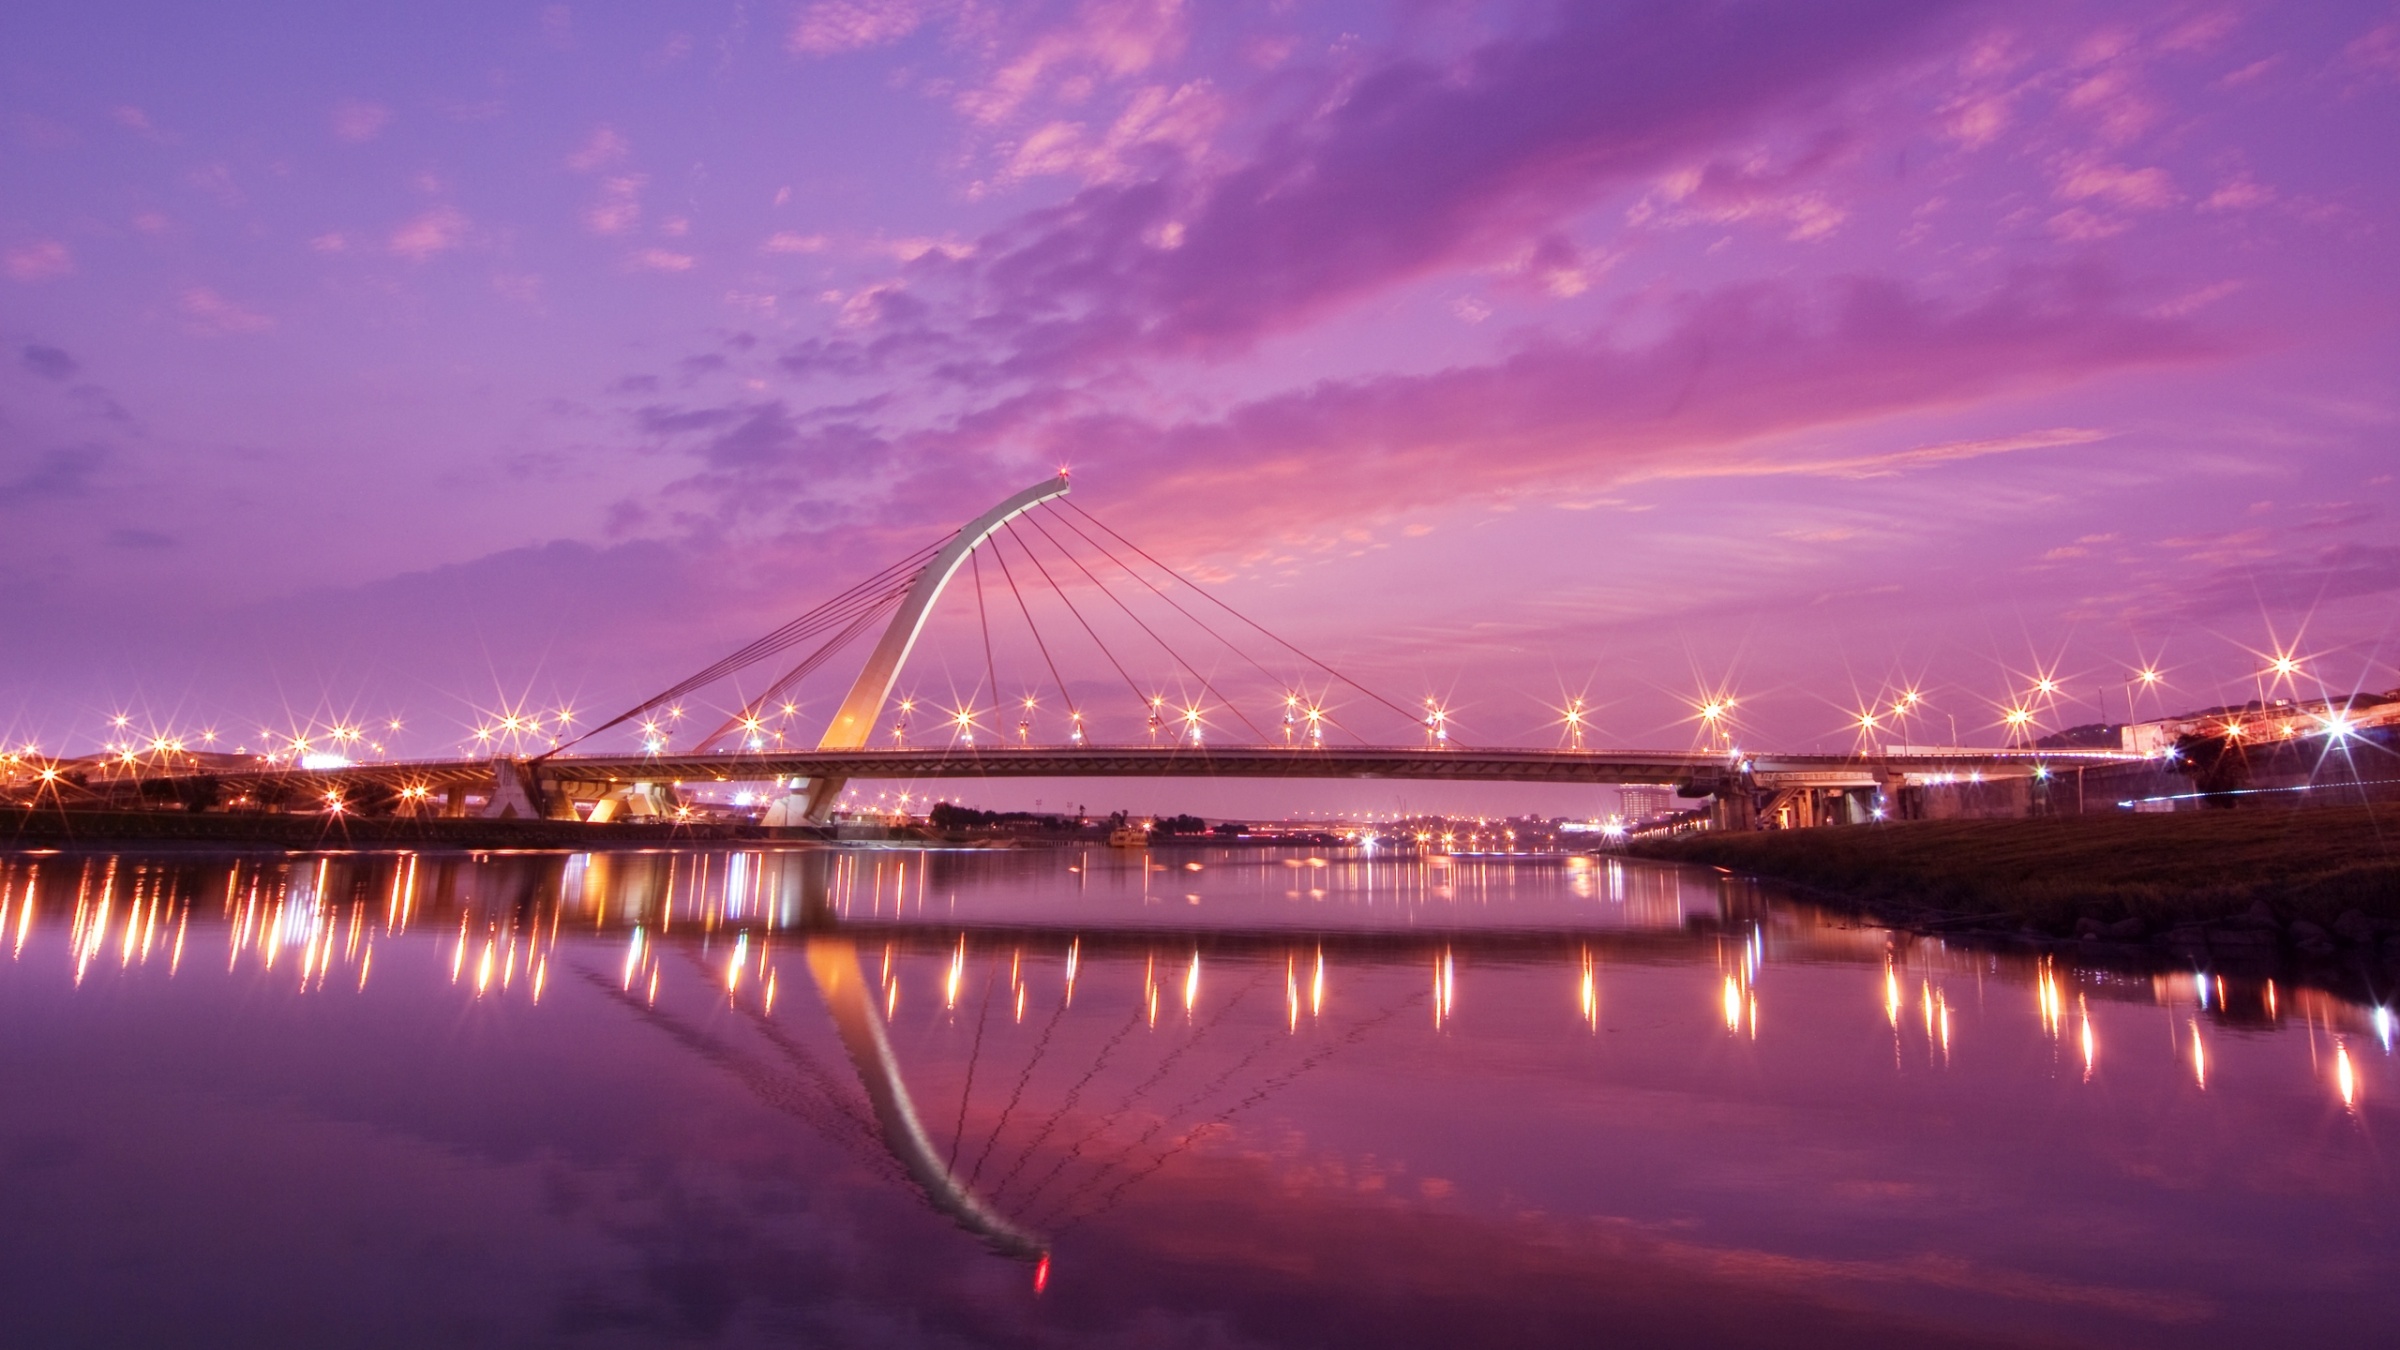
column 2317, row 881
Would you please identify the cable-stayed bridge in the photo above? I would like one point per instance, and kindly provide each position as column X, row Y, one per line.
column 1217, row 694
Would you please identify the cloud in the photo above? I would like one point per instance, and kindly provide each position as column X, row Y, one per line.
column 2377, row 49
column 52, row 473
column 141, row 539
column 1752, row 380
column 833, row 26
column 1413, row 167
column 663, row 260
column 2296, row 582
column 1109, row 38
column 1878, row 465
column 48, row 362
column 1725, row 192
column 2135, row 189
column 40, row 260
column 212, row 315
column 2239, row 193
column 620, row 206
column 1155, row 119
column 358, row 122
column 1739, row 368
column 784, row 241
column 437, row 231
column 603, row 148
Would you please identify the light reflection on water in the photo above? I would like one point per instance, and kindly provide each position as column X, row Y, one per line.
column 1215, row 1096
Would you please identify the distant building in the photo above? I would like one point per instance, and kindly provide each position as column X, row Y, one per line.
column 2266, row 721
column 1638, row 804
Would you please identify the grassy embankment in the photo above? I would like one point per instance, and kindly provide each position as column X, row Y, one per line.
column 2054, row 875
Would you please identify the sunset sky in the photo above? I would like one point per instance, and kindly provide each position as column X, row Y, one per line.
column 409, row 359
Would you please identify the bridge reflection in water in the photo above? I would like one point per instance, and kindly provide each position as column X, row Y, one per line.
column 1264, row 966
column 733, row 919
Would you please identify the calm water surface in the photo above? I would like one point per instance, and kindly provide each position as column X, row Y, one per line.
column 1215, row 1098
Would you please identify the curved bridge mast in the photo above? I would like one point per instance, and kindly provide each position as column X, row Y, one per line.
column 854, row 723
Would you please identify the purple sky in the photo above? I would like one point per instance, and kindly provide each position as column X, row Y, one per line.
column 409, row 359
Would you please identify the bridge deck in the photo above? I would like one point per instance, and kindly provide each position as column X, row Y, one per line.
column 1664, row 767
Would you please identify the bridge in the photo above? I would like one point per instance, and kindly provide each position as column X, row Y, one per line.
column 1301, row 730
column 569, row 787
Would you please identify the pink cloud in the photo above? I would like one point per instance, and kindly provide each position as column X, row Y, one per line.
column 663, row 260
column 521, row 287
column 1734, row 379
column 832, row 26
column 1110, row 38
column 620, row 206
column 40, row 260
column 212, row 315
column 2077, row 225
column 788, row 242
column 2377, row 49
column 437, row 231
column 1738, row 369
column 1155, row 118
column 2137, row 189
column 603, row 148
column 2239, row 193
column 1726, row 192
column 357, row 121
column 1413, row 168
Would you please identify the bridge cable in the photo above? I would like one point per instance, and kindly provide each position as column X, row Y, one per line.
column 808, row 666
column 1040, row 1048
column 1172, row 654
column 1000, row 556
column 1410, row 716
column 958, row 1132
column 1061, row 592
column 864, row 617
column 1110, row 1116
column 1103, row 551
column 1358, row 1032
column 984, row 621
column 1074, row 1095
column 874, row 590
column 894, row 578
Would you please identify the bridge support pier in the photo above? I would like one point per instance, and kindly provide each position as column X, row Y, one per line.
column 640, row 800
column 822, row 793
column 516, row 793
column 1735, row 808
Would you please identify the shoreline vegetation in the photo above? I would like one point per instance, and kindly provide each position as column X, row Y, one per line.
column 2316, row 881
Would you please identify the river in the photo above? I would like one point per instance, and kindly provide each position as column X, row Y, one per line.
column 1208, row 1097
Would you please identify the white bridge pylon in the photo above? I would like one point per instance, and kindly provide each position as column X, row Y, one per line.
column 854, row 722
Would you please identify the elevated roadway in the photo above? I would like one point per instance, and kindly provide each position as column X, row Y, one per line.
column 551, row 786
